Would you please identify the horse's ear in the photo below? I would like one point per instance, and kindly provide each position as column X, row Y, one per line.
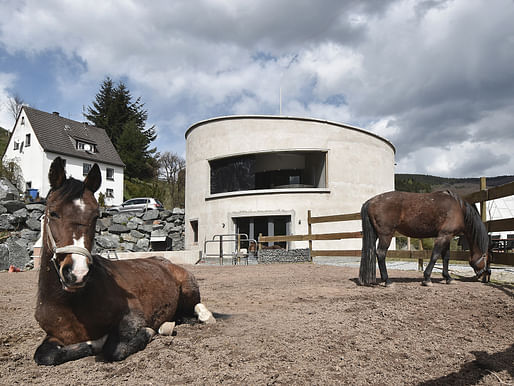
column 57, row 175
column 93, row 179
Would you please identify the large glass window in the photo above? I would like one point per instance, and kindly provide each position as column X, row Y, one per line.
column 274, row 170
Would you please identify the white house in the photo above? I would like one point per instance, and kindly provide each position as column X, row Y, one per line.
column 39, row 137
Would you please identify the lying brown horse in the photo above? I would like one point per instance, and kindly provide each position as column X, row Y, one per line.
column 89, row 305
column 440, row 214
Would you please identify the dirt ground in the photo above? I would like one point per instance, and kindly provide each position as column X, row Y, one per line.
column 294, row 324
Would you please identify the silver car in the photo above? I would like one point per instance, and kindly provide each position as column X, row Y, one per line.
column 141, row 204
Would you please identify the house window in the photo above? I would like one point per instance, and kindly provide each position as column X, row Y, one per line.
column 87, row 147
column 27, row 140
column 110, row 174
column 86, row 168
column 273, row 170
column 194, row 227
column 109, row 193
column 22, row 121
column 16, row 145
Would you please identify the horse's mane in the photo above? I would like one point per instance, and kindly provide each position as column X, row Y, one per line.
column 476, row 227
column 71, row 189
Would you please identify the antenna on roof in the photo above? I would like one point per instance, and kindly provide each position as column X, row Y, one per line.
column 280, row 99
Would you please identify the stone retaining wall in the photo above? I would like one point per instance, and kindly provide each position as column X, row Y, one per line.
column 20, row 230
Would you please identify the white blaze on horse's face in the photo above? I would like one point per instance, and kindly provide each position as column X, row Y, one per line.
column 80, row 266
column 79, row 203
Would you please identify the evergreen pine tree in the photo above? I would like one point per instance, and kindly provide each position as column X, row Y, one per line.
column 124, row 121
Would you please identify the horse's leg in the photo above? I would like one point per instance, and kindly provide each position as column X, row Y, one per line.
column 441, row 245
column 446, row 260
column 52, row 353
column 130, row 337
column 189, row 300
column 383, row 244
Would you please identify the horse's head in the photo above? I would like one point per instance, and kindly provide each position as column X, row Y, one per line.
column 70, row 221
column 481, row 266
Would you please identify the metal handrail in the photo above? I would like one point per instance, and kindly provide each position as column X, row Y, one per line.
column 223, row 238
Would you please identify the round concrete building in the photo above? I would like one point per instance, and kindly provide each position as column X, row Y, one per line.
column 261, row 174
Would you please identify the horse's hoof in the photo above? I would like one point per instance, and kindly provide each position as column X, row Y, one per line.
column 427, row 283
column 388, row 283
column 450, row 281
column 204, row 315
column 167, row 328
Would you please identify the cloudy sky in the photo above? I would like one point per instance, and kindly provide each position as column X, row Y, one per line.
column 434, row 77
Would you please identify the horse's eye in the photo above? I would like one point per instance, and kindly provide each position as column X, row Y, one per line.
column 54, row 215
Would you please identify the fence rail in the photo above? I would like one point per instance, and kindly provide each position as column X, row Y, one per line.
column 481, row 196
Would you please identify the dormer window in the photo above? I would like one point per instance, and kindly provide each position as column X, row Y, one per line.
column 27, row 140
column 87, row 147
column 22, row 121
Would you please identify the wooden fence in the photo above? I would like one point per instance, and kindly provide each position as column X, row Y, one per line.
column 481, row 196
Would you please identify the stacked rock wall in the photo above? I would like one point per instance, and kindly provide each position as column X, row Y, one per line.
column 20, row 229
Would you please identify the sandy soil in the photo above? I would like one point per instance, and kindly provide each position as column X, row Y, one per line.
column 294, row 324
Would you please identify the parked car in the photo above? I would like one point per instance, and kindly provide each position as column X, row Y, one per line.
column 141, row 204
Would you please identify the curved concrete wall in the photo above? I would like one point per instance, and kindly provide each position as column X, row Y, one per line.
column 359, row 165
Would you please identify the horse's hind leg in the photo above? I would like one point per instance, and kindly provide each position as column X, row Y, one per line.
column 383, row 245
column 190, row 303
column 446, row 260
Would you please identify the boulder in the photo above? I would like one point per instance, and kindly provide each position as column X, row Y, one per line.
column 121, row 218
column 38, row 207
column 118, row 229
column 7, row 189
column 33, row 224
column 178, row 211
column 151, row 215
column 142, row 245
column 13, row 205
column 11, row 253
column 107, row 241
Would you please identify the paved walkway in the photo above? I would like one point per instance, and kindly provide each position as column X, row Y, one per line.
column 498, row 273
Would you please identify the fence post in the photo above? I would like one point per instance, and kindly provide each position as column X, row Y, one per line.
column 420, row 261
column 238, row 248
column 483, row 204
column 221, row 250
column 309, row 226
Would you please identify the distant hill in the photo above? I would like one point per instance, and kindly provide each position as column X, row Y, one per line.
column 4, row 138
column 463, row 186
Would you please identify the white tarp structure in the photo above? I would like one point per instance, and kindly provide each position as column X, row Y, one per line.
column 499, row 209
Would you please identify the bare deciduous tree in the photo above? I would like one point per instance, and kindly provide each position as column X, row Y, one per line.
column 14, row 105
column 172, row 169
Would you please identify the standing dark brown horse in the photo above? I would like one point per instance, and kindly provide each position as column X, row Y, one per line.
column 89, row 305
column 440, row 214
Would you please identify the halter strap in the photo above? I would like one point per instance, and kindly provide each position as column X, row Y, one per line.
column 485, row 269
column 66, row 249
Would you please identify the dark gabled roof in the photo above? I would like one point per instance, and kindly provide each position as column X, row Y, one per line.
column 57, row 134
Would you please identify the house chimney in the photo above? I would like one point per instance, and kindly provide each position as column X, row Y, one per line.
column 56, row 113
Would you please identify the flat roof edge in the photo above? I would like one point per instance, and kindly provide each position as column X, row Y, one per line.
column 284, row 117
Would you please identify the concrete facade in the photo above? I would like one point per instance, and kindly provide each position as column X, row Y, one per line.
column 356, row 165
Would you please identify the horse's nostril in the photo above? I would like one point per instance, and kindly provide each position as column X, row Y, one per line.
column 67, row 274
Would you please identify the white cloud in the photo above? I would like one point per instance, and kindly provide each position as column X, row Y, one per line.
column 429, row 76
column 6, row 118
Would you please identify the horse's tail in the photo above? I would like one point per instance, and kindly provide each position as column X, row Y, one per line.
column 367, row 270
